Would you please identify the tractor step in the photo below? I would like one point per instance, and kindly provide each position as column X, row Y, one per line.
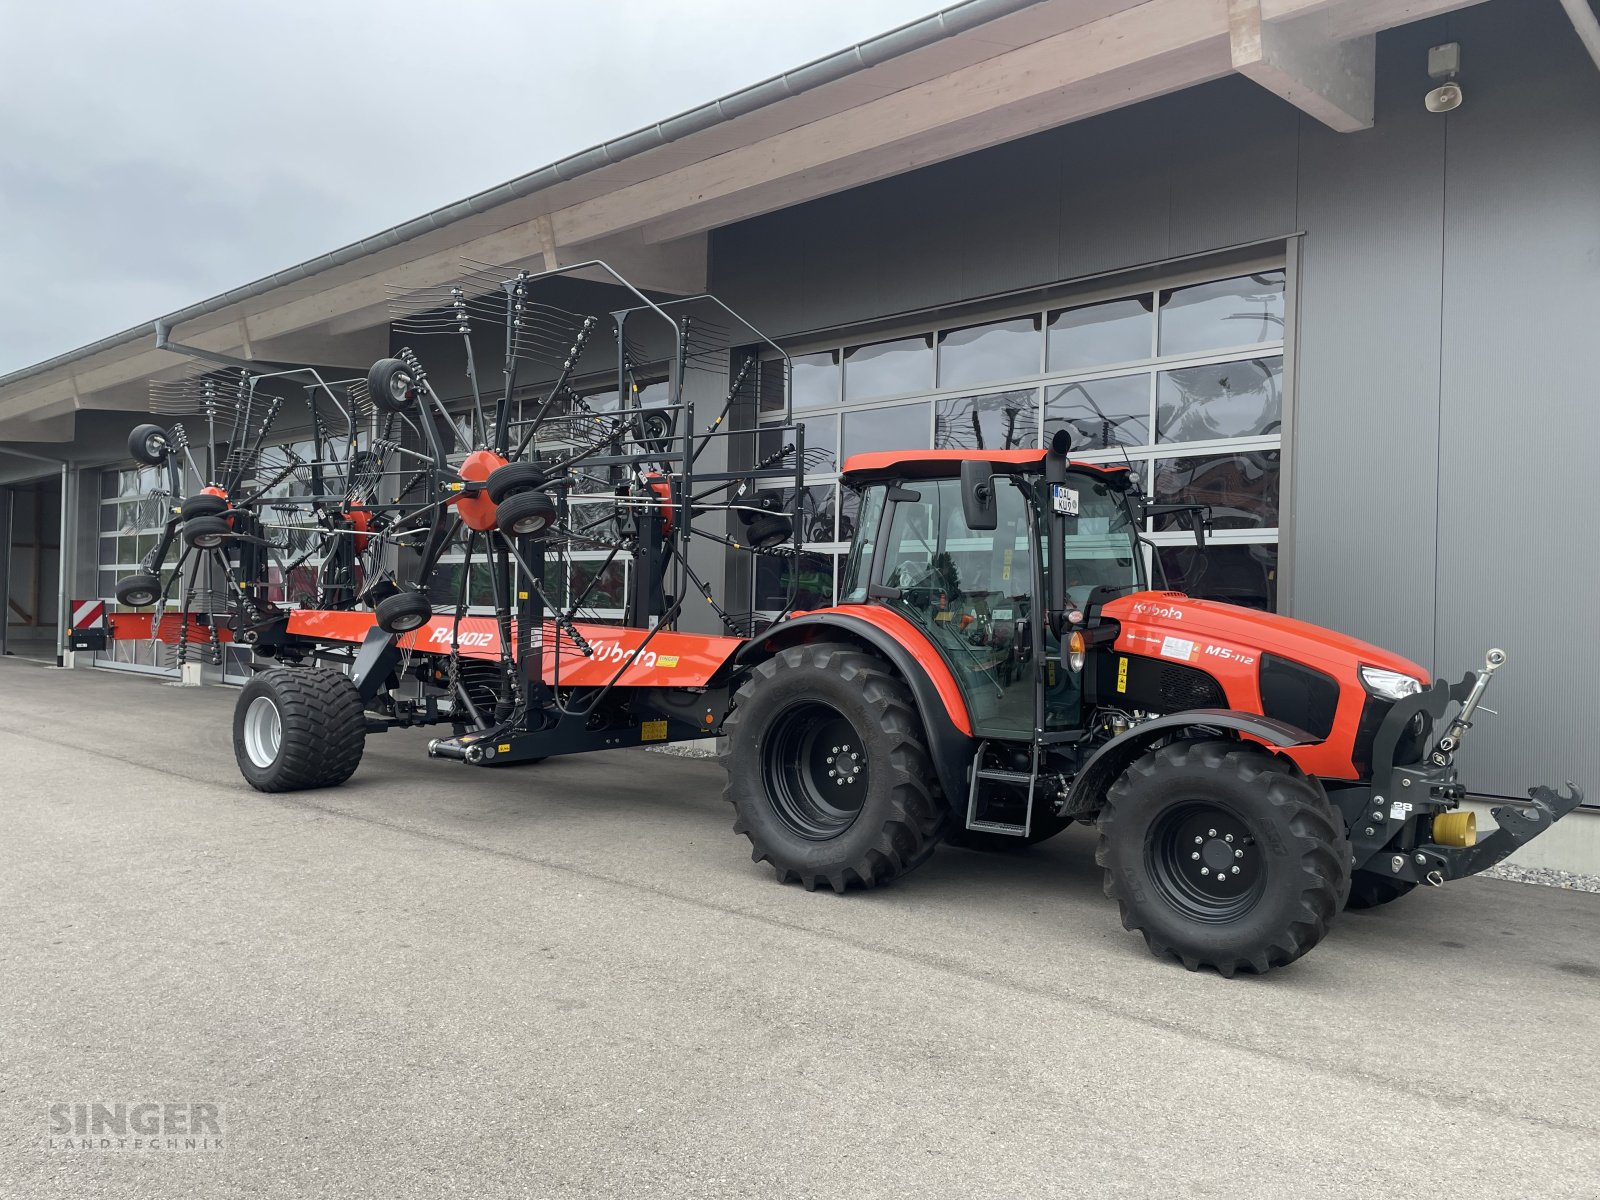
column 1001, row 800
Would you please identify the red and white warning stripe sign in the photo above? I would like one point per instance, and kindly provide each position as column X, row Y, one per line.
column 88, row 613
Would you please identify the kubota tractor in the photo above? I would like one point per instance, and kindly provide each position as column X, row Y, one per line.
column 999, row 668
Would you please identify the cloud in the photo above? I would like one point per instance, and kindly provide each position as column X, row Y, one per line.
column 154, row 154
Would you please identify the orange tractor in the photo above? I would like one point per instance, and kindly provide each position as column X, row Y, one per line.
column 998, row 666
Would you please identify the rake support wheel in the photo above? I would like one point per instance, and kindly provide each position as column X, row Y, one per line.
column 296, row 728
column 512, row 478
column 828, row 769
column 207, row 533
column 526, row 514
column 391, row 386
column 403, row 612
column 138, row 591
column 149, row 444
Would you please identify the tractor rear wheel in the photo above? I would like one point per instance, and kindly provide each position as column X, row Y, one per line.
column 1224, row 855
column 298, row 727
column 1371, row 890
column 828, row 769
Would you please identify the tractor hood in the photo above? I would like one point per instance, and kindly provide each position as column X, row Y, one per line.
column 1174, row 626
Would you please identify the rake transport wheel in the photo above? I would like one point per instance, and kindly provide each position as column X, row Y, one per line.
column 1371, row 890
column 828, row 769
column 403, row 612
column 298, row 727
column 1223, row 854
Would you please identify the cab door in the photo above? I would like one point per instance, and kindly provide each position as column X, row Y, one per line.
column 972, row 592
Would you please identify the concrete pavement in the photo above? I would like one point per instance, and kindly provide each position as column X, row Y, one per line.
column 570, row 980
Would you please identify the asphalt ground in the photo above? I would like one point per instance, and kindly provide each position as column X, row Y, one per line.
column 570, row 980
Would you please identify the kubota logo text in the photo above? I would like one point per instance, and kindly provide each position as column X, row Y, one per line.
column 1144, row 609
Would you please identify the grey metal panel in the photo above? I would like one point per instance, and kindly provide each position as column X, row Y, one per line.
column 1520, row 417
column 1232, row 166
column 1115, row 202
column 1366, row 418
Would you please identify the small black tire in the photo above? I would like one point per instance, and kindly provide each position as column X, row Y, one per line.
column 1368, row 889
column 204, row 504
column 391, row 385
column 1281, row 858
column 512, row 478
column 403, row 612
column 880, row 817
column 207, row 533
column 766, row 532
column 149, row 444
column 296, row 728
column 138, row 591
column 526, row 515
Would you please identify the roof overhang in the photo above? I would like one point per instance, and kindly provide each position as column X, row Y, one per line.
column 976, row 74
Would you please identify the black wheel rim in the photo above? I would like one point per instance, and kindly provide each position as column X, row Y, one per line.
column 408, row 621
column 1205, row 861
column 139, row 599
column 816, row 770
column 525, row 526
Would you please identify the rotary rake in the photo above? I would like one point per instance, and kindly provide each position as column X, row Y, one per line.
column 418, row 532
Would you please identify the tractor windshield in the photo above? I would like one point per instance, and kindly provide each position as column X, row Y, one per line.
column 1100, row 538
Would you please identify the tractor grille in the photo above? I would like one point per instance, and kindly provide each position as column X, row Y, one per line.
column 1298, row 695
column 1184, row 687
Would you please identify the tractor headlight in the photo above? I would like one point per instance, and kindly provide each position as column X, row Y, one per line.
column 1075, row 651
column 1391, row 685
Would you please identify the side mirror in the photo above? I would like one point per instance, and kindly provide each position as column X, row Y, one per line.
column 978, row 504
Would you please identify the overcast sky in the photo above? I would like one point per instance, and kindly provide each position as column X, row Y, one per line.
column 156, row 152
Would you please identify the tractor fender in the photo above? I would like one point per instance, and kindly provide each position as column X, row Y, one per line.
column 1112, row 759
column 943, row 711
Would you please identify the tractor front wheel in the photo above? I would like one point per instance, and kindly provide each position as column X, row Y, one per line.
column 1224, row 855
column 828, row 769
column 298, row 727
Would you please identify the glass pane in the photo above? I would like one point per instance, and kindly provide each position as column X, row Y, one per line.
column 1222, row 313
column 982, row 354
column 998, row 421
column 609, row 590
column 1100, row 335
column 1100, row 413
column 815, row 383
column 853, row 587
column 889, row 368
column 1243, row 575
column 1242, row 489
column 810, row 575
column 1236, row 399
column 903, row 427
column 816, row 510
column 822, row 442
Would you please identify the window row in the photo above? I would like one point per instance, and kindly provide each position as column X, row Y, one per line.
column 1198, row 319
column 1238, row 399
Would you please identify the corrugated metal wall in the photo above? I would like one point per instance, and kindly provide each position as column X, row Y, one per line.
column 1449, row 285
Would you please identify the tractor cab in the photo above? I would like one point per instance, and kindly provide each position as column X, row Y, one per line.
column 987, row 554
